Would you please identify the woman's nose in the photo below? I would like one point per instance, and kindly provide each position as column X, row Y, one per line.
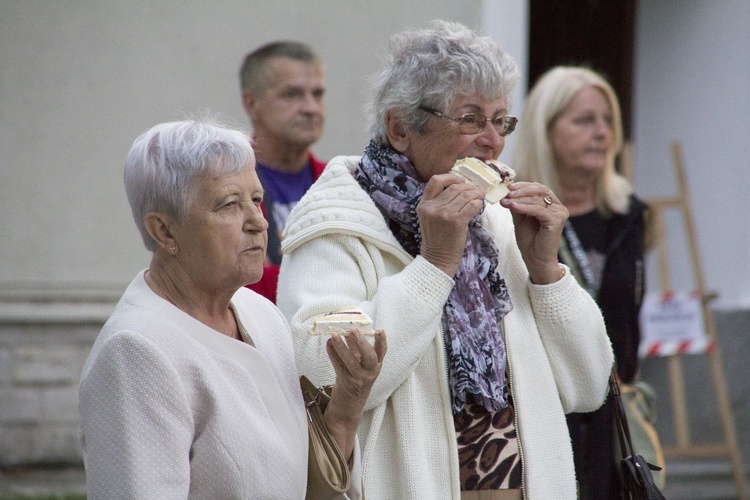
column 603, row 128
column 490, row 136
column 254, row 219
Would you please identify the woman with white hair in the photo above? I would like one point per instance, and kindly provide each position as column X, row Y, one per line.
column 491, row 341
column 568, row 139
column 190, row 390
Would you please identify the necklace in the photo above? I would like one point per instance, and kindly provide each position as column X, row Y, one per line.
column 150, row 278
column 235, row 329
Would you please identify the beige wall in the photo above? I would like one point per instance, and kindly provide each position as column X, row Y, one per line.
column 79, row 80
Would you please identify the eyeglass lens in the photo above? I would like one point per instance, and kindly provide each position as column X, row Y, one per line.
column 472, row 123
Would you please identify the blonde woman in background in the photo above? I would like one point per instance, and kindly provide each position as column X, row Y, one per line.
column 568, row 138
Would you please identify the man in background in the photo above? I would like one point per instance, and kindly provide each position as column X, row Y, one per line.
column 282, row 93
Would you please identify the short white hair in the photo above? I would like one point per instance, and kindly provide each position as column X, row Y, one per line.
column 165, row 160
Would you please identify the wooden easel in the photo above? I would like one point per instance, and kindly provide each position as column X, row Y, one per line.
column 684, row 448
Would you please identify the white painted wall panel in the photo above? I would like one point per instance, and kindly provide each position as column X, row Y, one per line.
column 80, row 79
column 692, row 85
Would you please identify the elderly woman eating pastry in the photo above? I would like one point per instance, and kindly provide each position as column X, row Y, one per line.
column 190, row 390
column 491, row 340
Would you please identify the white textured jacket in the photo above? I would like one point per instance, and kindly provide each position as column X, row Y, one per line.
column 172, row 409
column 338, row 250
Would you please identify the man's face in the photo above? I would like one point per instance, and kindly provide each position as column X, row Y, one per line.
column 290, row 109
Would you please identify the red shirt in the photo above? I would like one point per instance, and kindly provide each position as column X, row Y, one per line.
column 266, row 286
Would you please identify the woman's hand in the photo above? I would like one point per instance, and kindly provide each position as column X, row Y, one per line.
column 447, row 206
column 357, row 365
column 539, row 218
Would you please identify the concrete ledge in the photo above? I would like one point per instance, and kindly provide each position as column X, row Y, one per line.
column 67, row 482
column 701, row 480
column 51, row 312
column 57, row 303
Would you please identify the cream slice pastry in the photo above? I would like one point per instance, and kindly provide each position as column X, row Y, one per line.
column 492, row 176
column 341, row 321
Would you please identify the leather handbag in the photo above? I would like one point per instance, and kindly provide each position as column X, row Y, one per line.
column 637, row 481
column 327, row 469
column 639, row 401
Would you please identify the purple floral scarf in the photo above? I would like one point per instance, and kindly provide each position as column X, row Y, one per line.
column 479, row 299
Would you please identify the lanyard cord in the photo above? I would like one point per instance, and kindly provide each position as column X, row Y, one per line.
column 582, row 260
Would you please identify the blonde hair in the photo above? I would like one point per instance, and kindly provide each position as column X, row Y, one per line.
column 534, row 159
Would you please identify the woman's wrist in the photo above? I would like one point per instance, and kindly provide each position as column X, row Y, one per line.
column 445, row 263
column 343, row 427
column 551, row 274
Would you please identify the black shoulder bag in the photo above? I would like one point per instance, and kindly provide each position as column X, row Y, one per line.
column 637, row 482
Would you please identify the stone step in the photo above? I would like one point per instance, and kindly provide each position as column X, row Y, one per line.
column 701, row 480
column 68, row 482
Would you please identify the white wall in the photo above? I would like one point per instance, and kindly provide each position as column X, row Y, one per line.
column 80, row 79
column 508, row 24
column 692, row 85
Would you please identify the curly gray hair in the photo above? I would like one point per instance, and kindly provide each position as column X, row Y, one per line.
column 432, row 67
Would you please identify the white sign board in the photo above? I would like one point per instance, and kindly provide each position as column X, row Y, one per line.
column 672, row 323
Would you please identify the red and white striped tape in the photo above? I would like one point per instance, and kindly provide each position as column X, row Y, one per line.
column 672, row 295
column 669, row 348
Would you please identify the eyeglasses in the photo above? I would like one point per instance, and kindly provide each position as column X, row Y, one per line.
column 473, row 123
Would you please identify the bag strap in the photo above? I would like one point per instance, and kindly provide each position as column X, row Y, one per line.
column 314, row 395
column 621, row 420
column 328, row 472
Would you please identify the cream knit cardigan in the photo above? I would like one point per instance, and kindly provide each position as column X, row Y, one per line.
column 339, row 251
